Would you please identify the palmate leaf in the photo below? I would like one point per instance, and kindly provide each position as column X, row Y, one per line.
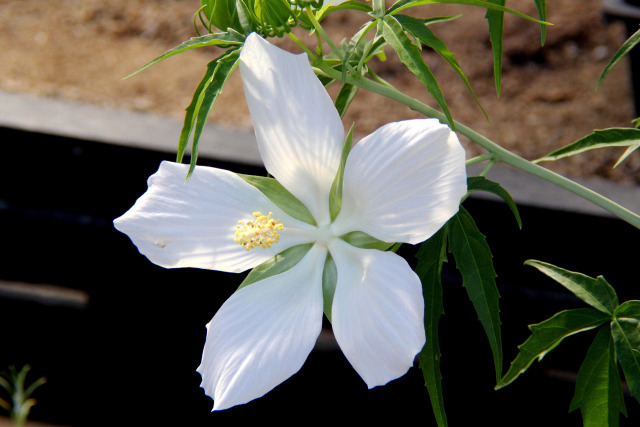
column 625, row 329
column 431, row 256
column 545, row 336
column 410, row 56
column 404, row 4
column 474, row 260
column 218, row 71
column 624, row 49
column 600, row 138
column 597, row 292
column 495, row 18
column 418, row 29
column 598, row 387
column 480, row 183
column 231, row 38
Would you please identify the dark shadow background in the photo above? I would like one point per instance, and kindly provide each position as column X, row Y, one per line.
column 129, row 358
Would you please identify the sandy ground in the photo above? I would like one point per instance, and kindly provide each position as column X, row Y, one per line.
column 81, row 49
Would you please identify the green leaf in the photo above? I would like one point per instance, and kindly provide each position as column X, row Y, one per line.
column 353, row 5
column 231, row 38
column 598, row 387
column 218, row 71
column 418, row 28
column 222, row 13
column 624, row 49
column 276, row 265
column 496, row 34
column 474, row 260
column 329, row 281
column 612, row 137
column 364, row 241
column 281, row 197
column 404, row 4
column 335, row 194
column 431, row 256
column 541, row 5
column 545, row 336
column 480, row 183
column 625, row 329
column 410, row 56
column 344, row 98
column 597, row 292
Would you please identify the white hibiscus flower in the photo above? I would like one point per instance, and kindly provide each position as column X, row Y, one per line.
column 401, row 184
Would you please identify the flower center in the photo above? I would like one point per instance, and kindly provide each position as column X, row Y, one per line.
column 263, row 231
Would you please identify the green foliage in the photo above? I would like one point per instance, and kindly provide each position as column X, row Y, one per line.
column 280, row 263
column 598, row 386
column 431, row 256
column 624, row 49
column 612, row 137
column 475, row 262
column 203, row 99
column 364, row 241
column 409, row 54
column 335, row 194
column 281, row 197
column 480, row 183
column 495, row 18
column 14, row 382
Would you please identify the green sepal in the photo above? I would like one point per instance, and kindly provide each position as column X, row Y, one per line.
column 598, row 293
column 600, row 138
column 344, row 98
column 546, row 335
column 329, row 282
column 362, row 240
column 221, row 13
column 480, row 183
column 335, row 194
column 411, row 57
column 598, row 386
column 418, row 28
column 431, row 256
column 624, row 49
column 625, row 329
column 280, row 196
column 475, row 262
column 495, row 18
column 218, row 71
column 280, row 263
column 226, row 39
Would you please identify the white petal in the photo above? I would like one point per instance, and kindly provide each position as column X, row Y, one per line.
column 177, row 224
column 377, row 313
column 263, row 333
column 403, row 182
column 299, row 131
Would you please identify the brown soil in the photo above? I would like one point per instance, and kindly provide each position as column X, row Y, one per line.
column 81, row 49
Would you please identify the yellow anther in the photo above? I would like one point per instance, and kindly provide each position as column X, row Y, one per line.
column 263, row 231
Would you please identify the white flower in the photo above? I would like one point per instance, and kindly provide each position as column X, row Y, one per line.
column 401, row 184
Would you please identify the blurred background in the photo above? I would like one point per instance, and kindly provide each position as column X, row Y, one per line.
column 119, row 338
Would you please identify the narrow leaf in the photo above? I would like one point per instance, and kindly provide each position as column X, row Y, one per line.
column 344, row 98
column 597, row 292
column 410, row 56
column 480, row 183
column 418, row 28
column 598, row 387
column 474, row 260
column 281, row 197
column 624, row 49
column 545, row 336
column 403, row 4
column 231, row 38
column 612, row 137
column 625, row 329
column 223, row 69
column 541, row 5
column 431, row 256
column 495, row 19
column 276, row 265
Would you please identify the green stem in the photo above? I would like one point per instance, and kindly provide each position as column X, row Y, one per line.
column 312, row 56
column 499, row 153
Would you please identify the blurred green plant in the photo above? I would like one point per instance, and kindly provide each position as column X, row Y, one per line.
column 20, row 401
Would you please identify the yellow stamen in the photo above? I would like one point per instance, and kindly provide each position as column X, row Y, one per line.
column 263, row 231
